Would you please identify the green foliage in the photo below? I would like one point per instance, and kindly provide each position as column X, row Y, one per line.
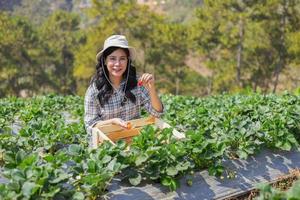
column 243, row 44
column 38, row 60
column 156, row 155
column 19, row 52
column 61, row 37
column 168, row 55
column 180, row 11
column 48, row 157
column 191, row 80
column 7, row 5
column 294, row 46
column 267, row 192
column 244, row 124
column 35, row 11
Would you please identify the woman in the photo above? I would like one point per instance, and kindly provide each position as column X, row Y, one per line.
column 114, row 95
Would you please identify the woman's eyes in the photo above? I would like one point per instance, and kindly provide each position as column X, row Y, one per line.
column 114, row 59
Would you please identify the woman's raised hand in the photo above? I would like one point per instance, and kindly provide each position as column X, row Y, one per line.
column 147, row 80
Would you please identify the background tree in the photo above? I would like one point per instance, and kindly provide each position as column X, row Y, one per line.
column 209, row 40
column 19, row 53
column 36, row 11
column 282, row 18
column 168, row 55
column 8, row 5
column 238, row 45
column 245, row 39
column 61, row 36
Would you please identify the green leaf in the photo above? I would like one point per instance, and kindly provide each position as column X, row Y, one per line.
column 112, row 165
column 91, row 166
column 171, row 183
column 50, row 194
column 17, row 175
column 286, row 146
column 61, row 177
column 74, row 149
column 242, row 154
column 278, row 144
column 291, row 139
column 174, row 185
column 166, row 181
column 183, row 166
column 136, row 179
column 172, row 171
column 106, row 159
column 78, row 196
column 29, row 160
column 197, row 150
column 49, row 158
column 264, row 187
column 9, row 157
column 29, row 188
column 14, row 186
column 140, row 159
column 20, row 156
column 121, row 144
column 294, row 192
column 216, row 170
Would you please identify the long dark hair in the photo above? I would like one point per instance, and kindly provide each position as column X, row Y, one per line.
column 102, row 84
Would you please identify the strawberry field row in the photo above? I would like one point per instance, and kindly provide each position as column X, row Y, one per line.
column 49, row 157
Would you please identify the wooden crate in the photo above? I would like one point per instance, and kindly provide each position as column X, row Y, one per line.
column 112, row 133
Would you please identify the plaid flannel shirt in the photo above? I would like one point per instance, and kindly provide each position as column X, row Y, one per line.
column 94, row 112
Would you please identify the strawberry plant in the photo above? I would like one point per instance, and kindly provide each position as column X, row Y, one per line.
column 156, row 155
column 268, row 192
column 48, row 156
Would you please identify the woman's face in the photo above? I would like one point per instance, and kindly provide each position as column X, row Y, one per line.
column 116, row 63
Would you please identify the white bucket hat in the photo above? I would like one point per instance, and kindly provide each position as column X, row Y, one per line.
column 116, row 41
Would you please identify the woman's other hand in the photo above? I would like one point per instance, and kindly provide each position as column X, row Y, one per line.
column 119, row 122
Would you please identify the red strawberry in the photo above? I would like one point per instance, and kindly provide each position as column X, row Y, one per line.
column 129, row 125
column 140, row 83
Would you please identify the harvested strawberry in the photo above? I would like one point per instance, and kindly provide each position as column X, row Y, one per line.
column 129, row 125
column 140, row 83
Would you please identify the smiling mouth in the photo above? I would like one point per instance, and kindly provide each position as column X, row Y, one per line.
column 117, row 70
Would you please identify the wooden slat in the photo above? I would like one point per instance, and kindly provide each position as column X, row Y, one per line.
column 95, row 138
column 161, row 125
column 135, row 123
column 143, row 121
column 114, row 136
column 99, row 137
column 113, row 133
column 103, row 137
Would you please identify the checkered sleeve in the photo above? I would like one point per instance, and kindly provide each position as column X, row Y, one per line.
column 91, row 106
column 146, row 102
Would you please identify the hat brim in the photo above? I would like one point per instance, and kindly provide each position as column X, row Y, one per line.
column 132, row 52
